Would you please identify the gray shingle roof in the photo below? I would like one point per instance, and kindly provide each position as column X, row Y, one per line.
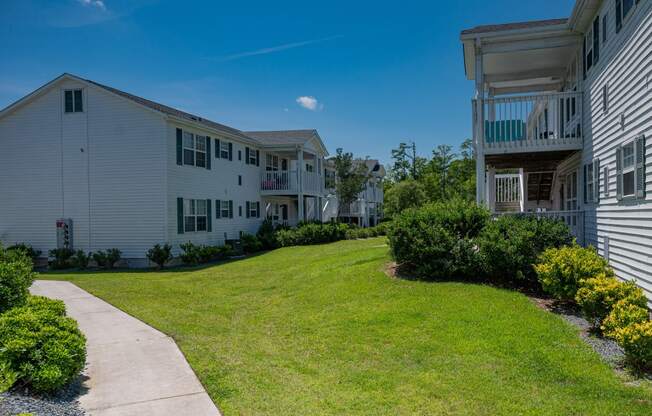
column 281, row 137
column 171, row 111
column 514, row 26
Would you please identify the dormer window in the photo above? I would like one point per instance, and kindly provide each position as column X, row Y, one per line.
column 73, row 101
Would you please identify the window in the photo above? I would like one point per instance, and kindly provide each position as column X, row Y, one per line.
column 623, row 7
column 73, row 101
column 224, row 209
column 253, row 209
column 239, row 154
column 588, row 50
column 240, row 210
column 271, row 162
column 604, row 28
column 596, row 40
column 605, row 98
column 309, row 167
column 329, row 179
column 240, row 180
column 224, row 150
column 628, row 170
column 194, row 150
column 252, row 159
column 591, row 185
column 195, row 215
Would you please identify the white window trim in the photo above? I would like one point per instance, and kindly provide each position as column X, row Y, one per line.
column 224, row 205
column 224, row 149
column 194, row 149
column 72, row 91
column 252, row 157
column 631, row 169
column 253, row 211
column 195, row 215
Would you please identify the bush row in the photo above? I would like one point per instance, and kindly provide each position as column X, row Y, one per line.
column 40, row 347
column 457, row 239
column 64, row 258
column 617, row 309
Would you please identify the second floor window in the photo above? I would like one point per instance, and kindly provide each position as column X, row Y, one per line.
column 272, row 162
column 73, row 100
column 623, row 8
column 628, row 169
column 194, row 150
column 224, row 150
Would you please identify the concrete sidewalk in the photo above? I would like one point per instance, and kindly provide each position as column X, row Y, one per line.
column 132, row 368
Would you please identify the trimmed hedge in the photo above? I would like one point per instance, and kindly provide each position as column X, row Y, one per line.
column 562, row 271
column 510, row 245
column 40, row 346
column 194, row 254
column 311, row 233
column 437, row 240
column 16, row 276
column 622, row 315
column 598, row 295
column 636, row 340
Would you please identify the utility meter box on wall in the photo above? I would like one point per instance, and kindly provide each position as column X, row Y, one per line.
column 64, row 233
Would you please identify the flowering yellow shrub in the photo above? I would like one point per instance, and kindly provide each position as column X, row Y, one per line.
column 598, row 295
column 623, row 315
column 561, row 271
column 636, row 340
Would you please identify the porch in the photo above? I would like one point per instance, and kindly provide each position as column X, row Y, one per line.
column 285, row 210
column 538, row 194
column 291, row 171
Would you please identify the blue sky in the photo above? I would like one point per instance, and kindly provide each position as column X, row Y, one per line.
column 366, row 75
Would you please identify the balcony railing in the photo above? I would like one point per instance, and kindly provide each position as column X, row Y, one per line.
column 530, row 123
column 286, row 181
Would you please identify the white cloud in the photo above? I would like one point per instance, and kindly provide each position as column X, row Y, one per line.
column 309, row 102
column 95, row 3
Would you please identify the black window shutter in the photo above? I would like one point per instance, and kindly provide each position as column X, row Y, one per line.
column 231, row 209
column 68, row 101
column 258, row 209
column 246, row 155
column 584, row 57
column 639, row 167
column 596, row 181
column 585, row 187
column 179, row 215
column 208, row 153
column 596, row 40
column 247, row 208
column 619, row 173
column 209, row 215
column 217, row 148
column 218, row 208
column 179, row 147
column 257, row 157
column 79, row 107
column 619, row 16
column 230, row 151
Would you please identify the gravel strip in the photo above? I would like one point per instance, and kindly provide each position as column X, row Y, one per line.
column 607, row 348
column 64, row 403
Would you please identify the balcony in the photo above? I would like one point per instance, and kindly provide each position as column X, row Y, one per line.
column 530, row 123
column 287, row 182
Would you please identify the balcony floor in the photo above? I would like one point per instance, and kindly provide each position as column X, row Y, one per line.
column 533, row 161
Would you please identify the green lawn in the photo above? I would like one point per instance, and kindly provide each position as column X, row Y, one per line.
column 322, row 330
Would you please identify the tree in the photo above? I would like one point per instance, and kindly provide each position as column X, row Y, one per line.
column 462, row 172
column 350, row 178
column 403, row 195
column 442, row 157
column 406, row 163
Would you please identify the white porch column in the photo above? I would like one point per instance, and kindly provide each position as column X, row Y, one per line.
column 479, row 126
column 491, row 189
column 300, row 168
column 522, row 189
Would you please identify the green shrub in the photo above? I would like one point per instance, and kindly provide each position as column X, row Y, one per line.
column 250, row 243
column 311, row 233
column 509, row 246
column 190, row 253
column 598, row 295
column 160, row 254
column 437, row 241
column 267, row 235
column 107, row 259
column 636, row 341
column 41, row 347
column 16, row 276
column 80, row 259
column 41, row 303
column 623, row 314
column 194, row 254
column 561, row 271
column 61, row 258
column 27, row 249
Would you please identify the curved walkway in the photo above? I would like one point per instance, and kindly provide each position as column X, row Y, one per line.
column 132, row 368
